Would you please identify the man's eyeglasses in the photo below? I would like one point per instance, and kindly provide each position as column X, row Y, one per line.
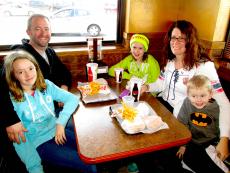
column 179, row 39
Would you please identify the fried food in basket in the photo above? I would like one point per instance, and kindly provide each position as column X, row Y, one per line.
column 128, row 112
column 95, row 88
column 91, row 89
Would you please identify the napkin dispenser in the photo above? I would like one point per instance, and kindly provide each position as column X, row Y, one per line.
column 95, row 55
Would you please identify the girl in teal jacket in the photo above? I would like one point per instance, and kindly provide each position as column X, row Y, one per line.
column 138, row 63
column 32, row 97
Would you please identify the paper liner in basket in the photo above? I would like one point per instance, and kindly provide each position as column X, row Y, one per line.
column 96, row 91
column 146, row 120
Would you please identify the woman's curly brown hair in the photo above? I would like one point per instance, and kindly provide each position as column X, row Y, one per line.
column 195, row 52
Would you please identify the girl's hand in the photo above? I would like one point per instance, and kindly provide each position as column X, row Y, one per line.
column 222, row 148
column 60, row 104
column 181, row 152
column 144, row 88
column 60, row 137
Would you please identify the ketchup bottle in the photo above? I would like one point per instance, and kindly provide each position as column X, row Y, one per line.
column 135, row 92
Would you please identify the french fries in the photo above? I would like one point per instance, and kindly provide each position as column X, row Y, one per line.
column 90, row 89
column 128, row 112
column 95, row 88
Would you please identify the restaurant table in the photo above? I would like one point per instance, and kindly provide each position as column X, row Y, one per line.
column 100, row 138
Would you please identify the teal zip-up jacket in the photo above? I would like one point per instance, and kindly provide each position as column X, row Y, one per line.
column 38, row 117
column 149, row 69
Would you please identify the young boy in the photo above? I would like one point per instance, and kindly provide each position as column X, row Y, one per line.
column 200, row 113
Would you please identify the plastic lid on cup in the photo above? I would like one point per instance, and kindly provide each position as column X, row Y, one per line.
column 128, row 100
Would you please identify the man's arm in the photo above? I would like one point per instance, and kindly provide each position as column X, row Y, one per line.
column 8, row 117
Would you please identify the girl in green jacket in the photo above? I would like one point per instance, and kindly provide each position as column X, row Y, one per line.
column 139, row 63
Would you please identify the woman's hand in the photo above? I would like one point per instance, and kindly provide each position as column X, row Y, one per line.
column 222, row 148
column 181, row 152
column 60, row 137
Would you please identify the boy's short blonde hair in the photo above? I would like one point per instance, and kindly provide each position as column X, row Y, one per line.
column 199, row 81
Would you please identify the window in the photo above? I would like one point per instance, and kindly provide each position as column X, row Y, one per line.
column 71, row 21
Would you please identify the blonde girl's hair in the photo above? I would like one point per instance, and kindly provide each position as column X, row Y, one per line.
column 199, row 81
column 14, row 85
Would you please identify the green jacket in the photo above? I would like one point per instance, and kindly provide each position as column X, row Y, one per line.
column 149, row 68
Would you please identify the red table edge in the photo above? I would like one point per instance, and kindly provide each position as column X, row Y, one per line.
column 111, row 157
column 140, row 151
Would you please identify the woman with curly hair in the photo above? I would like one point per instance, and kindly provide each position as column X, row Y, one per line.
column 184, row 57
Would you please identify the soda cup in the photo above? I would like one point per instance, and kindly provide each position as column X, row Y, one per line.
column 118, row 74
column 92, row 71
